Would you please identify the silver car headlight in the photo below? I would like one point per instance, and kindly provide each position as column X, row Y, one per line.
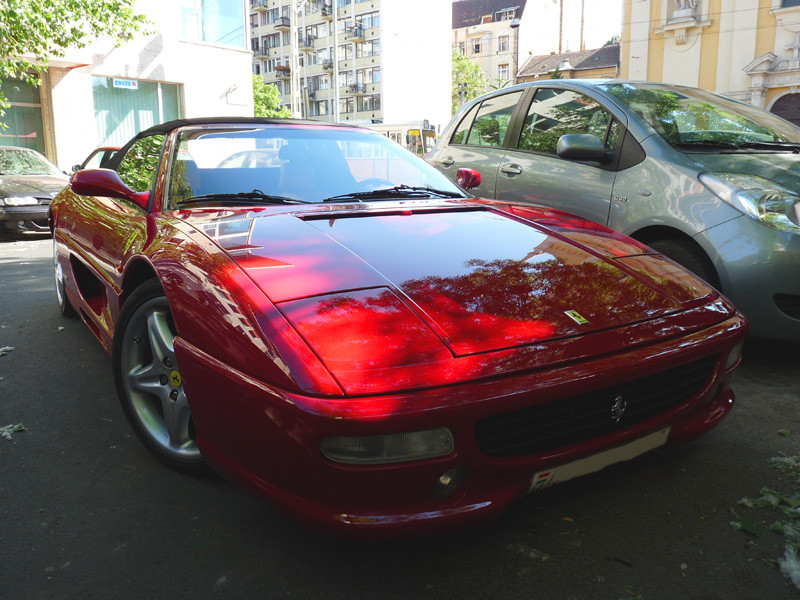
column 759, row 198
column 19, row 201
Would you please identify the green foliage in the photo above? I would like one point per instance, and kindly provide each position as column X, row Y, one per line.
column 31, row 31
column 556, row 74
column 468, row 81
column 267, row 100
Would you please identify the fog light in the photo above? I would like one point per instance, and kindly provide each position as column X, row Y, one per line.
column 388, row 448
column 449, row 483
column 734, row 356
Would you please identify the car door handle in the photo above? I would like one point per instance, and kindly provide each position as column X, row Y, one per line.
column 511, row 169
column 447, row 161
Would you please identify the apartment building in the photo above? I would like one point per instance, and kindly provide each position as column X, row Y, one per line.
column 488, row 33
column 357, row 61
column 746, row 49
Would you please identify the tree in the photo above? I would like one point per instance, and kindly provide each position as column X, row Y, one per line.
column 267, row 100
column 468, row 80
column 32, row 31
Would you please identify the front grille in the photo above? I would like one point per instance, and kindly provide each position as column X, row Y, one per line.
column 576, row 419
column 789, row 304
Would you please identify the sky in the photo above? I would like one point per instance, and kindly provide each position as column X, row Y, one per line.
column 602, row 19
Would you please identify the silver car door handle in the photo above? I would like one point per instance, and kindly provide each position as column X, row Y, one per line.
column 447, row 161
column 511, row 169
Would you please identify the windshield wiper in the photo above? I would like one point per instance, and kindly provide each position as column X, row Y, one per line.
column 793, row 147
column 708, row 144
column 398, row 191
column 254, row 197
column 786, row 146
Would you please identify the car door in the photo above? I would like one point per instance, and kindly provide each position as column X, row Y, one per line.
column 532, row 171
column 106, row 230
column 478, row 140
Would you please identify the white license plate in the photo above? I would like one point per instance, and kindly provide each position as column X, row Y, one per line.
column 590, row 464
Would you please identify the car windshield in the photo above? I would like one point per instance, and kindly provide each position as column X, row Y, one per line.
column 296, row 164
column 21, row 161
column 687, row 117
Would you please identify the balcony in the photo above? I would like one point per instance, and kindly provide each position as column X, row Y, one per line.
column 355, row 34
column 327, row 11
column 283, row 72
column 358, row 89
column 258, row 5
column 283, row 24
column 261, row 51
column 306, row 43
column 327, row 64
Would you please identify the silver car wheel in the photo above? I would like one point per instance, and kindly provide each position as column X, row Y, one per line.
column 152, row 391
column 64, row 305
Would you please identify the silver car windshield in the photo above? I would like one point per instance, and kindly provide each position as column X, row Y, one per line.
column 686, row 116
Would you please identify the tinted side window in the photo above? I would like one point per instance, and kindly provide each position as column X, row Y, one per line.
column 491, row 123
column 555, row 112
column 139, row 166
column 462, row 131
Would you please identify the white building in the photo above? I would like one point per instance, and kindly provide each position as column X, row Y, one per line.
column 391, row 58
column 196, row 63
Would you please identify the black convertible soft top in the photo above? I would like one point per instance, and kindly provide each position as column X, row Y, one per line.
column 164, row 128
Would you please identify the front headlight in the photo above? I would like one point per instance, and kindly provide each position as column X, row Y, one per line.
column 759, row 198
column 20, row 201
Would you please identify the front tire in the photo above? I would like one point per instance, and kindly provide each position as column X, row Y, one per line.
column 148, row 381
column 689, row 255
column 64, row 305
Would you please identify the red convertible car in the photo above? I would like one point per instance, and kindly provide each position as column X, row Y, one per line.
column 347, row 333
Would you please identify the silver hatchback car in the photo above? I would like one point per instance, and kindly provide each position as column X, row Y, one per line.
column 712, row 183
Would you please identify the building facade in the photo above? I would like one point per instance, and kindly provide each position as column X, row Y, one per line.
column 600, row 63
column 488, row 33
column 745, row 49
column 196, row 63
column 356, row 61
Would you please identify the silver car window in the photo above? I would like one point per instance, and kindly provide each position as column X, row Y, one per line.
column 555, row 112
column 491, row 123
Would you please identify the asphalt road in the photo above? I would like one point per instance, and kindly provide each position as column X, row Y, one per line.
column 85, row 512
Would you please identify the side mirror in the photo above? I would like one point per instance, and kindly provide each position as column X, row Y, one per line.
column 76, row 168
column 468, row 178
column 581, row 146
column 105, row 182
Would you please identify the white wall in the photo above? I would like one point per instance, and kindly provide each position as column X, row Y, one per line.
column 416, row 60
column 205, row 72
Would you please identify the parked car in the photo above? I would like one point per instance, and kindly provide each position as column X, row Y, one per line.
column 98, row 158
column 328, row 333
column 28, row 182
column 710, row 182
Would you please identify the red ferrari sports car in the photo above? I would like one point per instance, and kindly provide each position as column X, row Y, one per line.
column 348, row 334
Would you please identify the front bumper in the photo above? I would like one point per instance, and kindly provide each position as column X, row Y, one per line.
column 34, row 216
column 759, row 269
column 267, row 439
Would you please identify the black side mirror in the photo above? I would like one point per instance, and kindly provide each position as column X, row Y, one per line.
column 581, row 146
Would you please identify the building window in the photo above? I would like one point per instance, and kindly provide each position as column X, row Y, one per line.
column 254, row 20
column 788, row 3
column 369, row 20
column 502, row 43
column 346, row 51
column 502, row 72
column 124, row 107
column 372, row 48
column 257, row 69
column 461, row 47
column 213, row 21
column 504, row 15
column 476, row 46
column 23, row 118
column 369, row 103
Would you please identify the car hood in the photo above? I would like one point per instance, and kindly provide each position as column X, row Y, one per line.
column 31, row 185
column 479, row 278
column 782, row 167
